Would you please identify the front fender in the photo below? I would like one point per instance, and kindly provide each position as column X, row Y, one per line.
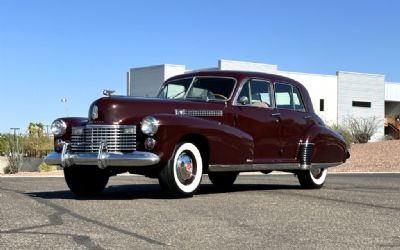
column 329, row 146
column 227, row 145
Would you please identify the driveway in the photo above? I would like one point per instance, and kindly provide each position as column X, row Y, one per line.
column 353, row 211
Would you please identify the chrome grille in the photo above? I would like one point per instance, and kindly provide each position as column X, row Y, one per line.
column 118, row 138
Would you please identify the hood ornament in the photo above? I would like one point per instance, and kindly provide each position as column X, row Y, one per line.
column 108, row 92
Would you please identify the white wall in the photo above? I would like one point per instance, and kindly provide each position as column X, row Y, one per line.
column 319, row 87
column 361, row 87
column 392, row 91
column 146, row 81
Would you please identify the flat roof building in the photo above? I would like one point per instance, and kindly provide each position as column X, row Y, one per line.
column 334, row 97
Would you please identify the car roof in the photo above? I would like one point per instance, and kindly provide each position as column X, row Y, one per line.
column 235, row 74
column 240, row 75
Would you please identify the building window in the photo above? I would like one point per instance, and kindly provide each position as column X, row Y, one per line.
column 361, row 104
column 321, row 105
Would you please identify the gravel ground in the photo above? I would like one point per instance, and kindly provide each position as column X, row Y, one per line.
column 371, row 157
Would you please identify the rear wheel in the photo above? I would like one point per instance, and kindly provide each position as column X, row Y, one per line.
column 223, row 180
column 86, row 180
column 313, row 178
column 182, row 175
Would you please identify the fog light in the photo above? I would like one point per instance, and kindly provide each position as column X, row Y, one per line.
column 149, row 143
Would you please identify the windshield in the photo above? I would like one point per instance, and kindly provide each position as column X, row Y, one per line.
column 175, row 89
column 202, row 88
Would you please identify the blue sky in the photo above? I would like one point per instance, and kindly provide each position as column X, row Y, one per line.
column 73, row 49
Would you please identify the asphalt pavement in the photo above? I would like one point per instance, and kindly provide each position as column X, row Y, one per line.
column 353, row 211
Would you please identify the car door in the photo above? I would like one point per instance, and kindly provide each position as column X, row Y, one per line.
column 294, row 119
column 253, row 113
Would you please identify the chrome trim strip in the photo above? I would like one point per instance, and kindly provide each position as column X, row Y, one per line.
column 106, row 126
column 326, row 165
column 271, row 166
column 199, row 112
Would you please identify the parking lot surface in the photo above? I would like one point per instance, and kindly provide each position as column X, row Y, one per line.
column 353, row 211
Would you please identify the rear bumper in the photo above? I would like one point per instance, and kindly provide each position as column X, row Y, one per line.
column 102, row 159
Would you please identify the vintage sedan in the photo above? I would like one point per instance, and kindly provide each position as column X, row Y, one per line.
column 218, row 123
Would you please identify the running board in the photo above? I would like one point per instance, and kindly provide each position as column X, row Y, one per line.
column 272, row 166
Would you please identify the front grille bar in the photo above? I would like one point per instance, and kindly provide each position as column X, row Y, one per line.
column 118, row 138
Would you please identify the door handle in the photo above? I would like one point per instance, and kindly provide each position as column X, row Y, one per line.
column 277, row 117
column 307, row 117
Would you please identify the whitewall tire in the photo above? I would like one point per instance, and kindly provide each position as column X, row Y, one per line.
column 182, row 175
column 312, row 179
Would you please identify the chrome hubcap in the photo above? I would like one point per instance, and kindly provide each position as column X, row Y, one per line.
column 185, row 168
column 316, row 172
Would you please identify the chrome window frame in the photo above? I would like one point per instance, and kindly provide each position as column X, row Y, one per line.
column 166, row 82
column 298, row 90
column 272, row 89
column 193, row 81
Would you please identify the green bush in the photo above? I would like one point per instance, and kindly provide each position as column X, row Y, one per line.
column 43, row 167
column 343, row 131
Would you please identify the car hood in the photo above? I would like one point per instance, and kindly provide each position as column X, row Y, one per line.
column 121, row 110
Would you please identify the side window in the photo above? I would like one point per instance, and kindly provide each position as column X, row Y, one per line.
column 244, row 92
column 288, row 97
column 283, row 96
column 297, row 101
column 260, row 93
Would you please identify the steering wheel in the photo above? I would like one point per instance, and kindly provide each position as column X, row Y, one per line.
column 221, row 96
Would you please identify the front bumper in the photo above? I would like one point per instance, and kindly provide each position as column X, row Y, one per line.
column 102, row 158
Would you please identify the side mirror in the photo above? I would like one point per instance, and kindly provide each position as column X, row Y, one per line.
column 244, row 100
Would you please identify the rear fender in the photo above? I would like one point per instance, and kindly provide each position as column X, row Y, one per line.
column 329, row 146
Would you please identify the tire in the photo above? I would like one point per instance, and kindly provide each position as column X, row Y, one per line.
column 312, row 179
column 86, row 180
column 223, row 180
column 182, row 175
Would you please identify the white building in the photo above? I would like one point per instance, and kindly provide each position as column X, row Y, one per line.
column 334, row 97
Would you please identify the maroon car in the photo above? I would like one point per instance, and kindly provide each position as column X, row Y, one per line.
column 218, row 123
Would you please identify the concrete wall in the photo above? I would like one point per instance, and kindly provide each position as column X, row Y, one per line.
column 3, row 164
column 392, row 91
column 28, row 165
column 319, row 87
column 365, row 88
column 146, row 81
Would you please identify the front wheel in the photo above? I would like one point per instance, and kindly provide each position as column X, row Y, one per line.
column 313, row 178
column 223, row 180
column 182, row 175
column 86, row 180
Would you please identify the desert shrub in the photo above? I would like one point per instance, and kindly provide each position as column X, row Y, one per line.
column 343, row 131
column 362, row 128
column 43, row 167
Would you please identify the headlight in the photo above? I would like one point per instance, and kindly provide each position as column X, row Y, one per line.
column 58, row 127
column 149, row 125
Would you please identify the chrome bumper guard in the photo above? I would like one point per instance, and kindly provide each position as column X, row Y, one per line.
column 102, row 158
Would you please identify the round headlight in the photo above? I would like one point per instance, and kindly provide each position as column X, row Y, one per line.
column 58, row 127
column 149, row 125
